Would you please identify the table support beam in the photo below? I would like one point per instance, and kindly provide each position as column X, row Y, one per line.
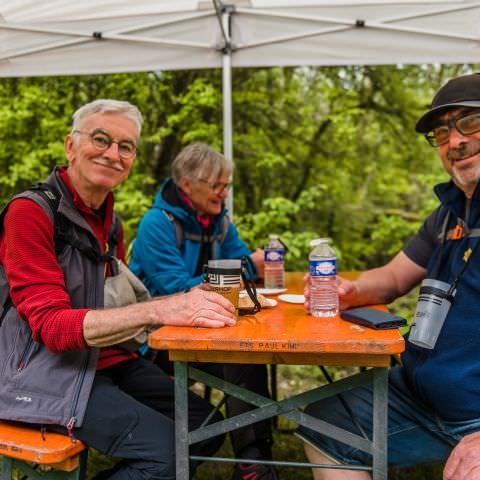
column 182, row 451
column 268, row 408
column 380, row 419
column 288, row 407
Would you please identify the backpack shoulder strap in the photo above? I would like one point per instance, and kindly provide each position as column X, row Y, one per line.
column 51, row 196
column 114, row 233
column 224, row 230
column 179, row 235
column 62, row 228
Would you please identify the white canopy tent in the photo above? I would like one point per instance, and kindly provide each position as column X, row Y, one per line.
column 62, row 37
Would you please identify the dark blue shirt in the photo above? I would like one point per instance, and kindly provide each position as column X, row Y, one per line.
column 447, row 378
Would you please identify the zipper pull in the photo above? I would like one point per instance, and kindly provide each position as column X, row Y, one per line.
column 457, row 232
column 70, row 425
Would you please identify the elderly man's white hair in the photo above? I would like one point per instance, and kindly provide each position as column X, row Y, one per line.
column 106, row 105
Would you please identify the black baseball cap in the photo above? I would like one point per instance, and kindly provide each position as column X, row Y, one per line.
column 461, row 91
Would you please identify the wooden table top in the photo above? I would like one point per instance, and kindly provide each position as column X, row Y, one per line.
column 282, row 334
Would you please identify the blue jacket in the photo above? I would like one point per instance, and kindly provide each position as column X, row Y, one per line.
column 447, row 378
column 158, row 262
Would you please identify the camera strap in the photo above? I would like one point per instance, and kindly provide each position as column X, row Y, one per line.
column 462, row 271
column 443, row 237
column 249, row 287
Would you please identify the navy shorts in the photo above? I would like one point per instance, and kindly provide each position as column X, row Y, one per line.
column 415, row 434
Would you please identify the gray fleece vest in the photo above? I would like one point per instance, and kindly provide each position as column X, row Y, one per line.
column 37, row 385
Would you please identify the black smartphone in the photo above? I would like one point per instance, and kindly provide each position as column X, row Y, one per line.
column 373, row 318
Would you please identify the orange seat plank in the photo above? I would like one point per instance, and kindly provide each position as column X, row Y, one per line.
column 25, row 443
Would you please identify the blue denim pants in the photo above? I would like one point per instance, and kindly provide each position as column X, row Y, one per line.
column 415, row 434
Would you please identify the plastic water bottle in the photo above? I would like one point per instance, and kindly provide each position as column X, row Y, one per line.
column 323, row 279
column 274, row 263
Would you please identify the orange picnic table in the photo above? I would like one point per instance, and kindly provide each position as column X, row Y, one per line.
column 284, row 334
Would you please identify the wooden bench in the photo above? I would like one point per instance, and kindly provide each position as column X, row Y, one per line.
column 40, row 455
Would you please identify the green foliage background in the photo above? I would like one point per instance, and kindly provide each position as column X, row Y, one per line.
column 318, row 151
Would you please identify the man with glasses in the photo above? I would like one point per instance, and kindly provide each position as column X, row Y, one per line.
column 64, row 363
column 434, row 397
column 186, row 227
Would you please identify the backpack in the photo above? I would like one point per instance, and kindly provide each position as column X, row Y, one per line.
column 62, row 233
column 180, row 235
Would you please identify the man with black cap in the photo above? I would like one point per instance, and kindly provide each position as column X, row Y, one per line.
column 434, row 396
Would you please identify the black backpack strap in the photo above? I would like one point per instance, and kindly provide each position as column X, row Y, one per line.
column 62, row 228
column 50, row 194
column 52, row 197
column 114, row 234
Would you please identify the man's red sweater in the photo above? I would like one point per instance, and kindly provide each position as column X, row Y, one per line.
column 37, row 286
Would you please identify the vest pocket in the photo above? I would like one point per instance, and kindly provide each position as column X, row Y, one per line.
column 26, row 354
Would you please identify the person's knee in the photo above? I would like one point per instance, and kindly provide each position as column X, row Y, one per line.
column 139, row 470
column 164, row 471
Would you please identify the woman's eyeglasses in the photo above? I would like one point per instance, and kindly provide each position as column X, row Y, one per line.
column 217, row 187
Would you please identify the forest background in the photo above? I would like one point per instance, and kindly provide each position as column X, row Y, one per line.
column 318, row 152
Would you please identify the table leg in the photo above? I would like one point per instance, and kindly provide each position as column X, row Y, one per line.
column 6, row 468
column 182, row 453
column 380, row 423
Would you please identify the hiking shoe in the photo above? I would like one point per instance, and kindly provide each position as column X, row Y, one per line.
column 254, row 471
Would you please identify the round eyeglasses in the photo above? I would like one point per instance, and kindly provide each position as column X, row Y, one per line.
column 217, row 187
column 466, row 125
column 102, row 142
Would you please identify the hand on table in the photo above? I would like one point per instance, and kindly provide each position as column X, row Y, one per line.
column 347, row 292
column 198, row 308
column 306, row 292
column 464, row 461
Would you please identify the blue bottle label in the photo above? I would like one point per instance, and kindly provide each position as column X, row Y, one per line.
column 323, row 268
column 274, row 255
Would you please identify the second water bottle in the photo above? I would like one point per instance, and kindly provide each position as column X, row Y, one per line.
column 274, row 263
column 323, row 279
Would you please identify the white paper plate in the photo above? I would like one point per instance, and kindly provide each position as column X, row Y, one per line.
column 290, row 298
column 271, row 291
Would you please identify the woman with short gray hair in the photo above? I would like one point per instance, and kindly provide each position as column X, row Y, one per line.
column 187, row 226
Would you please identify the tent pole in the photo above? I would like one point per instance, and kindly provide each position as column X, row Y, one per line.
column 227, row 97
column 227, row 117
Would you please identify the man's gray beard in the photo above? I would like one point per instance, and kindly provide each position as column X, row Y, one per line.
column 465, row 179
column 467, row 185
